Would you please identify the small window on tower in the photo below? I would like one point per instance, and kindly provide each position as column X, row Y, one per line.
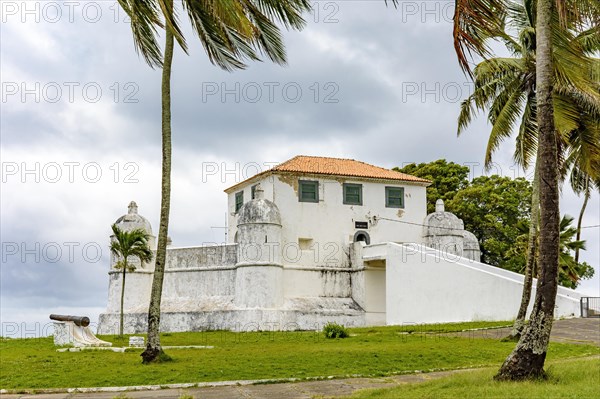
column 305, row 244
column 239, row 200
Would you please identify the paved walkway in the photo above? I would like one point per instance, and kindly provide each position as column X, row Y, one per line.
column 574, row 331
column 582, row 331
column 288, row 390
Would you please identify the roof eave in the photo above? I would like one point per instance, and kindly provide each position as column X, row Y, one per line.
column 423, row 183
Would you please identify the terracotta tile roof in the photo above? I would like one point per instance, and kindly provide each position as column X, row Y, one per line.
column 336, row 167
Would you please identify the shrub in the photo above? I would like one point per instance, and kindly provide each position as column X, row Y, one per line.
column 334, row 330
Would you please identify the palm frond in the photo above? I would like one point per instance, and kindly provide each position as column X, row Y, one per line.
column 590, row 39
column 145, row 22
column 503, row 114
column 231, row 31
column 289, row 13
column 474, row 22
column 126, row 244
column 527, row 138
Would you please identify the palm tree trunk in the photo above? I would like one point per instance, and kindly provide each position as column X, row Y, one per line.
column 531, row 257
column 586, row 197
column 153, row 350
column 122, row 298
column 528, row 357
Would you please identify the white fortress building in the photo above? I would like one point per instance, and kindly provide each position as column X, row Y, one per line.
column 315, row 240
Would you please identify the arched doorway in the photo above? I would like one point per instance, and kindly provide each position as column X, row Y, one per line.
column 362, row 236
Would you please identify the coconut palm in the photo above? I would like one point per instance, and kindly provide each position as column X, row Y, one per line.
column 554, row 24
column 506, row 86
column 582, row 167
column 582, row 160
column 126, row 245
column 231, row 32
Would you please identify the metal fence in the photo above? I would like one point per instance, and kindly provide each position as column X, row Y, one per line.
column 590, row 306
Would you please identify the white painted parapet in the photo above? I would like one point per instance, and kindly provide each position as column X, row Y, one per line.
column 424, row 285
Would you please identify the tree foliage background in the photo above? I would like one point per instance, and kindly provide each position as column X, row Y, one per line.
column 448, row 178
column 497, row 210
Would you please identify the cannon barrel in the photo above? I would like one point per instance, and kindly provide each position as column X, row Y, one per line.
column 81, row 321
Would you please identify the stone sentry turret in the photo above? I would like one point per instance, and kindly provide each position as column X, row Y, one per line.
column 259, row 272
column 130, row 221
column 133, row 220
column 446, row 232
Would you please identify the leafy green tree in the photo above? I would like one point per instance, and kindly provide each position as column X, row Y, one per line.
column 570, row 271
column 126, row 245
column 447, row 179
column 231, row 32
column 491, row 207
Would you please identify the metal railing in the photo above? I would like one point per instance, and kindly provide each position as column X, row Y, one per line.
column 590, row 306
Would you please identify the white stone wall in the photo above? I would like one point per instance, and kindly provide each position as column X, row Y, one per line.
column 302, row 281
column 317, row 275
column 424, row 286
column 191, row 274
column 137, row 290
column 198, row 257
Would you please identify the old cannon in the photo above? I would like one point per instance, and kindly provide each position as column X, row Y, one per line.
column 74, row 331
column 80, row 321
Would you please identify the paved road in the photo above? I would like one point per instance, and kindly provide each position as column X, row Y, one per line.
column 574, row 331
column 582, row 331
column 295, row 390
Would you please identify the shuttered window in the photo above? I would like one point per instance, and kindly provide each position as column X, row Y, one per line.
column 308, row 191
column 239, row 200
column 352, row 194
column 394, row 197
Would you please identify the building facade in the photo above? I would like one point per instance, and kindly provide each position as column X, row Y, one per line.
column 315, row 240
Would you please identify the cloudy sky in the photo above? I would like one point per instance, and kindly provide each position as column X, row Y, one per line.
column 80, row 124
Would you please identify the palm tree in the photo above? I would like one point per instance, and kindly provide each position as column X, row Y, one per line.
column 582, row 167
column 528, row 357
column 125, row 245
column 507, row 87
column 552, row 29
column 570, row 270
column 231, row 32
column 475, row 21
column 585, row 189
column 582, row 163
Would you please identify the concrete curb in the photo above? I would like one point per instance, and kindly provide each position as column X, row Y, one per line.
column 453, row 332
column 127, row 348
column 224, row 383
column 257, row 382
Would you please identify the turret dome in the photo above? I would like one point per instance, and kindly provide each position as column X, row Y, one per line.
column 259, row 210
column 442, row 223
column 132, row 220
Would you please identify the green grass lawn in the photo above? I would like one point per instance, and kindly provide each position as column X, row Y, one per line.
column 567, row 379
column 436, row 328
column 34, row 363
